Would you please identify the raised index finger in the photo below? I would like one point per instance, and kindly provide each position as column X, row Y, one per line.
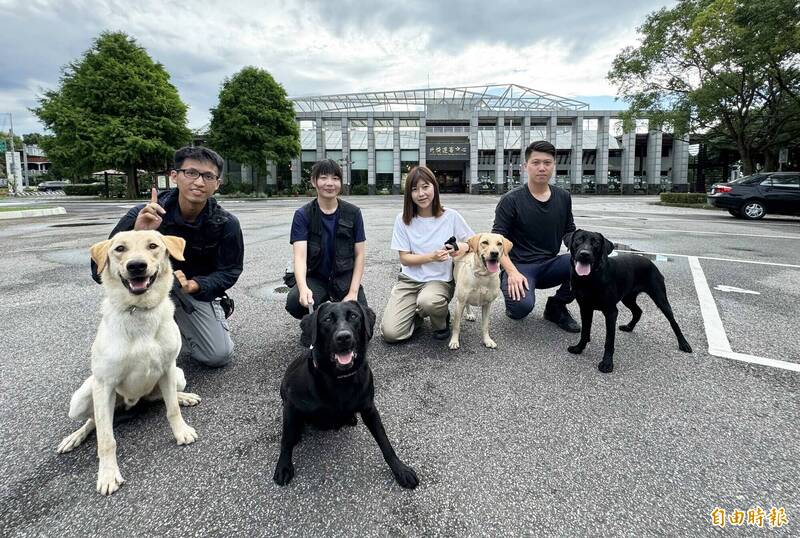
column 153, row 195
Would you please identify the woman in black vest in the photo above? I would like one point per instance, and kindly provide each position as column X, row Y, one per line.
column 328, row 245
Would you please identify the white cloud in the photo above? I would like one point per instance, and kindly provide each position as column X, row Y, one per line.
column 317, row 48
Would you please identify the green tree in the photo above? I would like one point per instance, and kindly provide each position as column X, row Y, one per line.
column 726, row 65
column 114, row 108
column 32, row 139
column 254, row 121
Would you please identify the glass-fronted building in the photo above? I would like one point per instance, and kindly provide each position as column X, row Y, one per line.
column 473, row 139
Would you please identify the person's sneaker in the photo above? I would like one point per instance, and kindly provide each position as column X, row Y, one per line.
column 557, row 313
column 443, row 334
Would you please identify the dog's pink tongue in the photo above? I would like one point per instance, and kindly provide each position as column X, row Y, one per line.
column 492, row 266
column 344, row 358
column 583, row 269
column 138, row 284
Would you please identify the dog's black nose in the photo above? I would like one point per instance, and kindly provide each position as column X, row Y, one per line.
column 343, row 338
column 136, row 267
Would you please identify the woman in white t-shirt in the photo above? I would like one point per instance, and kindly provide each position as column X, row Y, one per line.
column 425, row 285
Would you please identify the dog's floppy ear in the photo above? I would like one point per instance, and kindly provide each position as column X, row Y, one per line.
column 473, row 242
column 507, row 246
column 99, row 253
column 175, row 246
column 368, row 316
column 308, row 328
column 609, row 245
column 568, row 239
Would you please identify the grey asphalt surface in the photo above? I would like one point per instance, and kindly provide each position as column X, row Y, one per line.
column 524, row 439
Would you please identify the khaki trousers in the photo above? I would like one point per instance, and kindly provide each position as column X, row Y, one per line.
column 409, row 302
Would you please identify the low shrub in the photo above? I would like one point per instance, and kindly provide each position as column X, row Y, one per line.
column 683, row 198
column 359, row 189
column 85, row 189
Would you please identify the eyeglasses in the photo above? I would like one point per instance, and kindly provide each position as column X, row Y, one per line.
column 193, row 174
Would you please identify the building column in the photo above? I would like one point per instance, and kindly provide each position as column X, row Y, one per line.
column 422, row 147
column 346, row 161
column 576, row 155
column 396, row 155
column 320, row 138
column 628, row 164
column 297, row 163
column 499, row 153
column 653, row 166
column 472, row 186
column 680, row 163
column 272, row 177
column 524, row 141
column 371, row 154
column 552, row 129
column 601, row 155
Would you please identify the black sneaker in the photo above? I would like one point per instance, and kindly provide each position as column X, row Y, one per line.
column 443, row 334
column 557, row 313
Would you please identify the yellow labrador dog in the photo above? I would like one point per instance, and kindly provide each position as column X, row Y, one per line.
column 477, row 277
column 137, row 342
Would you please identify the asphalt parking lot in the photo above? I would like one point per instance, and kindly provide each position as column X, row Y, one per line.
column 524, row 439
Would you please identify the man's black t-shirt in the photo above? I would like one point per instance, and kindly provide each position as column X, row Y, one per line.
column 535, row 228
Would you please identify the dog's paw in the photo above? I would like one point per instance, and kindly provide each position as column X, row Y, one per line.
column 185, row 435
column 188, row 399
column 606, row 367
column 453, row 344
column 470, row 316
column 405, row 475
column 71, row 441
column 109, row 480
column 488, row 342
column 627, row 328
column 283, row 474
column 685, row 347
column 577, row 349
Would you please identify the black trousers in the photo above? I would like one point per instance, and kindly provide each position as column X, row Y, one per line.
column 322, row 291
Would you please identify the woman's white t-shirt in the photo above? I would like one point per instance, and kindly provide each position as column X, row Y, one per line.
column 425, row 235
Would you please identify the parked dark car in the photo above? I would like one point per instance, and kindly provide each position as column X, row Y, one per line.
column 752, row 197
column 52, row 185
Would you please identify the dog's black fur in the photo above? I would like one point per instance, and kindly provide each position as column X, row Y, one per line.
column 611, row 280
column 320, row 391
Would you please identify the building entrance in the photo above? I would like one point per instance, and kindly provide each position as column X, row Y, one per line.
column 451, row 175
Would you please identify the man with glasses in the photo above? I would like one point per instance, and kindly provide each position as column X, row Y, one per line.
column 535, row 217
column 213, row 255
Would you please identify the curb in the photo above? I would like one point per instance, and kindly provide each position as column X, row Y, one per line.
column 32, row 213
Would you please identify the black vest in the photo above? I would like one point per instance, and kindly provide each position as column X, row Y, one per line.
column 202, row 243
column 343, row 245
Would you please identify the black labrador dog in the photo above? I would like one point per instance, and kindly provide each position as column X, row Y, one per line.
column 332, row 382
column 600, row 282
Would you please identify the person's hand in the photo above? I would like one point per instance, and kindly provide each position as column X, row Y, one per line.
column 306, row 297
column 189, row 286
column 439, row 255
column 149, row 217
column 351, row 297
column 517, row 284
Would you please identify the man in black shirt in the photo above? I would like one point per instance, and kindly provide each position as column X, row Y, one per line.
column 213, row 255
column 535, row 217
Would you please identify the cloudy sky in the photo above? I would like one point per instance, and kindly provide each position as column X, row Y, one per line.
column 312, row 47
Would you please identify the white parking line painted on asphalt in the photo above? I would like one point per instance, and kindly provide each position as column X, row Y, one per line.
column 718, row 344
column 736, row 260
column 628, row 229
column 730, row 222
